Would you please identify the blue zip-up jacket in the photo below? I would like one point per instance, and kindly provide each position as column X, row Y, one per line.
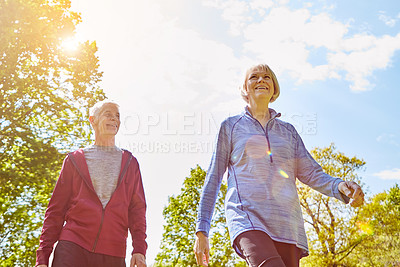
column 263, row 164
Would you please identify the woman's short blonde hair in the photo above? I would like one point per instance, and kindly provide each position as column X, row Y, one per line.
column 266, row 68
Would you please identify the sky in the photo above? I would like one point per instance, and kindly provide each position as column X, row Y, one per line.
column 175, row 68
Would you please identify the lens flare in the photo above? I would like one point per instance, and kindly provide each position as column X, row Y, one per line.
column 365, row 228
column 284, row 174
column 269, row 152
column 256, row 147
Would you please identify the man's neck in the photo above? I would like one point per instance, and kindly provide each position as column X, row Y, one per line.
column 104, row 141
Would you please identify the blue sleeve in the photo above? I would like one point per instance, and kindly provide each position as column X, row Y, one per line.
column 309, row 172
column 212, row 183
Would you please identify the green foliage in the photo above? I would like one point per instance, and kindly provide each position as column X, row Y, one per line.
column 179, row 230
column 379, row 224
column 331, row 225
column 44, row 94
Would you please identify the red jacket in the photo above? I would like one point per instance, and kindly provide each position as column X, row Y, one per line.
column 87, row 224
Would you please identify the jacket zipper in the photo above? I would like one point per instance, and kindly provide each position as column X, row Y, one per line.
column 98, row 233
column 266, row 134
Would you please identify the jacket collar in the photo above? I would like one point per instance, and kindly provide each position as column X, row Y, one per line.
column 78, row 160
column 273, row 114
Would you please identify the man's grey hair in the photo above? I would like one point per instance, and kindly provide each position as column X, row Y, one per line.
column 99, row 106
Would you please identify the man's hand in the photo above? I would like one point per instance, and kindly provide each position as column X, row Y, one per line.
column 138, row 260
column 202, row 249
column 353, row 191
column 42, row 265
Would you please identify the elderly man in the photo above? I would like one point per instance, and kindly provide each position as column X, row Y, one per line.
column 98, row 197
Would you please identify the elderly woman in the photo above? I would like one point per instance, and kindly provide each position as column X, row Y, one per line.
column 264, row 156
column 98, row 197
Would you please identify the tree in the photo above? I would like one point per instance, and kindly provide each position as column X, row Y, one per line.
column 331, row 225
column 379, row 224
column 179, row 230
column 44, row 95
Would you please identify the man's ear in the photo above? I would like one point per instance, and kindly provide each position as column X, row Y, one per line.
column 92, row 120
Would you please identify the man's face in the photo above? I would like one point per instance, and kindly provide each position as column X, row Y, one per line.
column 108, row 121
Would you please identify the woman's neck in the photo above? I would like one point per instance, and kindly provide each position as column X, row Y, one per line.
column 259, row 111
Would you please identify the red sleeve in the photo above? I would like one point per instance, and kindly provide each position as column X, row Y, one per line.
column 137, row 213
column 55, row 213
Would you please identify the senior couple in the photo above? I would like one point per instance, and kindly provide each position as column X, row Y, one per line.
column 99, row 195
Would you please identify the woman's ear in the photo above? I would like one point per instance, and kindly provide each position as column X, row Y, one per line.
column 244, row 89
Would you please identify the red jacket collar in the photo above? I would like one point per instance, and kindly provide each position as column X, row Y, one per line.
column 78, row 160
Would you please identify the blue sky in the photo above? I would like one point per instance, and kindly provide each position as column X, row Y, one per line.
column 175, row 67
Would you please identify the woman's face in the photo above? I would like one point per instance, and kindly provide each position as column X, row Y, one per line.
column 259, row 85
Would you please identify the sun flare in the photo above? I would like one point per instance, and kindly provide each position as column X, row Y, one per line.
column 70, row 44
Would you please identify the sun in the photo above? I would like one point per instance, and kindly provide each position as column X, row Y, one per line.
column 70, row 44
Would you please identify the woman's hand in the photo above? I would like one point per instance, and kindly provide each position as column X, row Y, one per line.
column 353, row 191
column 202, row 249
